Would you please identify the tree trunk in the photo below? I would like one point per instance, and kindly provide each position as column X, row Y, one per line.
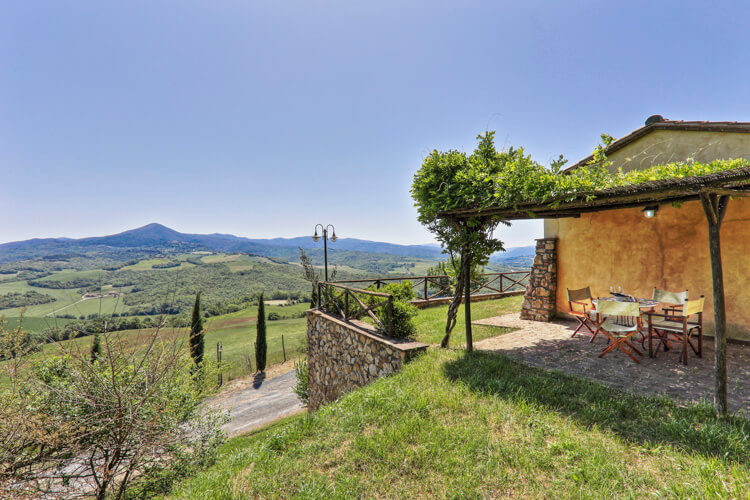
column 715, row 208
column 456, row 302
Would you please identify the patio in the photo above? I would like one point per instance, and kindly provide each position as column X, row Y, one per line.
column 550, row 346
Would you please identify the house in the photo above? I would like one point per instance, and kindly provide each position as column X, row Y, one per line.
column 679, row 232
column 622, row 247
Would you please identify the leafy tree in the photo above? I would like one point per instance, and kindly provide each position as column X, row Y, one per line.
column 75, row 428
column 445, row 181
column 197, row 333
column 261, row 348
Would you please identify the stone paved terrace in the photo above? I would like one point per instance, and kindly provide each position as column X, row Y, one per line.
column 549, row 346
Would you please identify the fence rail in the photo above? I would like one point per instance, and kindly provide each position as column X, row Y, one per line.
column 439, row 287
column 343, row 301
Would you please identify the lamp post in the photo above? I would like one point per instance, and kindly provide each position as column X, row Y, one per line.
column 325, row 242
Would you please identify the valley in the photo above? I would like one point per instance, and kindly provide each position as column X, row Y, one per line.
column 141, row 277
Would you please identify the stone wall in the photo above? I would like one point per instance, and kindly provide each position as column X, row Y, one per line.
column 540, row 299
column 343, row 356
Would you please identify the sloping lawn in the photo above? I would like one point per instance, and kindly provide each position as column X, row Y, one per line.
column 481, row 425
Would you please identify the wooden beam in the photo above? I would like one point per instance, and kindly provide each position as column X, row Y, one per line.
column 467, row 300
column 726, row 192
column 715, row 208
column 568, row 210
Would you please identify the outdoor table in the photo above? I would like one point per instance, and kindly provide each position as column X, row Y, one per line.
column 644, row 304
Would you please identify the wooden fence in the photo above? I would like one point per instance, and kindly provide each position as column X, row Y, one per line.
column 350, row 303
column 438, row 288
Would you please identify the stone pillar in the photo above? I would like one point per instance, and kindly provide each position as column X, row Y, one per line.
column 541, row 292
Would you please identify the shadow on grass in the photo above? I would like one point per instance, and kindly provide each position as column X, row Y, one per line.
column 641, row 420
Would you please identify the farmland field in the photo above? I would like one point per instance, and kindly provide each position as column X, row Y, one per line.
column 235, row 331
column 151, row 284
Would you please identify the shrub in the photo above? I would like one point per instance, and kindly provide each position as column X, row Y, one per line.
column 403, row 311
column 302, row 386
column 273, row 316
column 133, row 415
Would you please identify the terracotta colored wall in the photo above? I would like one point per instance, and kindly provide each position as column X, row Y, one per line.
column 670, row 251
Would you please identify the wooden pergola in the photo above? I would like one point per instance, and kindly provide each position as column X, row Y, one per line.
column 714, row 192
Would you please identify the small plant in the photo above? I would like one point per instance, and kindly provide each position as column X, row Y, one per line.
column 302, row 387
column 274, row 316
column 96, row 347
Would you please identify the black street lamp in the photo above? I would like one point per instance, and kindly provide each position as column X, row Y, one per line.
column 325, row 242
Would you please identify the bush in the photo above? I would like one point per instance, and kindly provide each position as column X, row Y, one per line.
column 66, row 406
column 273, row 316
column 403, row 311
column 302, row 386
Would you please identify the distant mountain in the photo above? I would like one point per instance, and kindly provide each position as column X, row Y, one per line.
column 161, row 238
column 306, row 242
column 158, row 238
column 515, row 256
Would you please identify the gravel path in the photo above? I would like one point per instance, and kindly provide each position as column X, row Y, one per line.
column 259, row 403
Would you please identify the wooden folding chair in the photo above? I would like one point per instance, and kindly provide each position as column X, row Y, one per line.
column 670, row 326
column 672, row 302
column 581, row 306
column 671, row 307
column 618, row 331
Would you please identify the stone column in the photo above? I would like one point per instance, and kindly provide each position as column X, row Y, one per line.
column 541, row 292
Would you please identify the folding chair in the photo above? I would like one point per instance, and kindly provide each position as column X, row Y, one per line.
column 620, row 332
column 581, row 305
column 678, row 327
column 672, row 302
column 671, row 307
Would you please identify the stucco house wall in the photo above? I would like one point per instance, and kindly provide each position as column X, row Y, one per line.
column 670, row 251
column 665, row 146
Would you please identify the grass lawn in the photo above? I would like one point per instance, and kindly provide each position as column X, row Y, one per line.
column 430, row 322
column 482, row 425
column 68, row 301
column 237, row 331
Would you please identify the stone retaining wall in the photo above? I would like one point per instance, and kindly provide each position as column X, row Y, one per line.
column 343, row 356
column 541, row 292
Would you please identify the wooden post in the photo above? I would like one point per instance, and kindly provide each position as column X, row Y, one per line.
column 283, row 347
column 715, row 207
column 390, row 315
column 467, row 300
column 425, row 288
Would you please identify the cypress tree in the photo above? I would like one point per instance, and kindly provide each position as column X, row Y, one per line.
column 261, row 348
column 196, row 333
column 96, row 348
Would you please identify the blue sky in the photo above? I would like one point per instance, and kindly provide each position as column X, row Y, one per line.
column 264, row 118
